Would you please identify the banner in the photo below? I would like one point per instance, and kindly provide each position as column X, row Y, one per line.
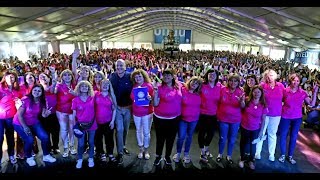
column 311, row 57
column 183, row 35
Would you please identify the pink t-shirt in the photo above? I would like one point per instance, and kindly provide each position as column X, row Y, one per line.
column 31, row 114
column 170, row 102
column 103, row 108
column 84, row 111
column 252, row 116
column 229, row 109
column 51, row 100
column 25, row 90
column 7, row 103
column 292, row 103
column 190, row 110
column 210, row 98
column 273, row 98
column 64, row 98
column 142, row 110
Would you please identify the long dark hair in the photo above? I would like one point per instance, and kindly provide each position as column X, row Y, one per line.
column 42, row 98
column 205, row 77
column 246, row 87
column 262, row 99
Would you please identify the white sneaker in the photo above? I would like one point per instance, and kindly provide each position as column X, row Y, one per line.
column 140, row 155
column 147, row 155
column 271, row 158
column 49, row 158
column 13, row 160
column 31, row 161
column 90, row 162
column 176, row 157
column 257, row 156
column 79, row 164
column 73, row 150
column 65, row 152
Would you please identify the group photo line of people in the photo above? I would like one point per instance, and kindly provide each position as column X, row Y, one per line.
column 92, row 97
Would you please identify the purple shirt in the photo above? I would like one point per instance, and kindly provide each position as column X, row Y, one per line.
column 252, row 116
column 292, row 103
column 31, row 114
column 190, row 110
column 273, row 98
column 210, row 98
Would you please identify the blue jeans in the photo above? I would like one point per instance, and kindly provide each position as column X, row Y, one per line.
column 7, row 124
column 81, row 144
column 122, row 121
column 283, row 132
column 38, row 130
column 313, row 117
column 185, row 129
column 228, row 131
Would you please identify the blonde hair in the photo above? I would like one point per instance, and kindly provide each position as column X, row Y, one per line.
column 90, row 91
column 233, row 76
column 110, row 91
column 265, row 74
column 194, row 79
column 64, row 72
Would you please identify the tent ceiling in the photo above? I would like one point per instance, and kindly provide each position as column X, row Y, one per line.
column 276, row 26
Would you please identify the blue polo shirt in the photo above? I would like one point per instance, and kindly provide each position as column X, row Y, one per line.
column 122, row 88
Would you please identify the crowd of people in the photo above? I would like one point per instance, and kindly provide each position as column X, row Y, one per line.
column 91, row 97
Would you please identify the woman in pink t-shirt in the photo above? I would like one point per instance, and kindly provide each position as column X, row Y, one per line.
column 253, row 117
column 84, row 112
column 190, row 112
column 105, row 114
column 167, row 111
column 51, row 123
column 273, row 92
column 291, row 118
column 98, row 76
column 142, row 115
column 10, row 92
column 26, row 123
column 229, row 115
column 65, row 94
column 29, row 79
column 210, row 95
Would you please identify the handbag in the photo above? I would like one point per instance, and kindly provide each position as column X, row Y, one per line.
column 85, row 126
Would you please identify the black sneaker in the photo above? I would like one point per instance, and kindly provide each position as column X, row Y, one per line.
column 120, row 159
column 157, row 161
column 168, row 160
column 126, row 151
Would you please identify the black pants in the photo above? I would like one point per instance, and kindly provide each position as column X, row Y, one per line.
column 246, row 146
column 52, row 127
column 166, row 130
column 207, row 125
column 104, row 131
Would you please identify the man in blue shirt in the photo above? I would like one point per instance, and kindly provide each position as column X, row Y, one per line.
column 122, row 85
